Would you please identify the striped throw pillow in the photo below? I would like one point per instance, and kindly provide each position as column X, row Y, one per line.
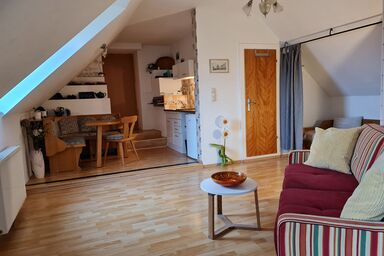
column 369, row 146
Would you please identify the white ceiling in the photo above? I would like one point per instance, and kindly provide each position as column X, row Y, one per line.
column 152, row 9
column 159, row 31
column 303, row 17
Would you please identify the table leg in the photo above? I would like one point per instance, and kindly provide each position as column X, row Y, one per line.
column 211, row 216
column 219, row 205
column 257, row 209
column 99, row 145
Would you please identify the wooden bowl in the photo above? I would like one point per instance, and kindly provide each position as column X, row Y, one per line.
column 229, row 179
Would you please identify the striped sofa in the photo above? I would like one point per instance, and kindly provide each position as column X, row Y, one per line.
column 308, row 220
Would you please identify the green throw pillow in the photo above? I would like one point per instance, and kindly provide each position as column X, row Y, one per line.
column 367, row 201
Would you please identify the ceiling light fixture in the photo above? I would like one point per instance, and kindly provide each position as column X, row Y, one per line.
column 264, row 7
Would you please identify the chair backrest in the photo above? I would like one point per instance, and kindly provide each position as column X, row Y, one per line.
column 128, row 125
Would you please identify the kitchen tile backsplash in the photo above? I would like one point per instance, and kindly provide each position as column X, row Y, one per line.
column 184, row 101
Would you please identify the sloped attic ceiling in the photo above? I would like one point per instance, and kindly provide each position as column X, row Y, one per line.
column 159, row 31
column 347, row 64
column 344, row 65
column 38, row 44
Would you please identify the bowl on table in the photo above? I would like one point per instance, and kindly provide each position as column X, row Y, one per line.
column 229, row 179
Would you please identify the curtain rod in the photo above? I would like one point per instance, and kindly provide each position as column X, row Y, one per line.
column 341, row 32
column 334, row 34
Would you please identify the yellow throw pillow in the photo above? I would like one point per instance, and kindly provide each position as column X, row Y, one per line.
column 367, row 201
column 333, row 148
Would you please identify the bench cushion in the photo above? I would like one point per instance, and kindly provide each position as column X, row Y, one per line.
column 72, row 141
column 82, row 121
column 68, row 126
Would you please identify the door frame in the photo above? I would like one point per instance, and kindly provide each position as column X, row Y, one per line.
column 241, row 80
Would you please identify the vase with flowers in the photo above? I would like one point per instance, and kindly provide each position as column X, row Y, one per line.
column 222, row 132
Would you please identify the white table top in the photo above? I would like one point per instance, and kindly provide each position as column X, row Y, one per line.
column 211, row 187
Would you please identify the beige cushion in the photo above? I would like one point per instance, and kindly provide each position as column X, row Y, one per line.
column 333, row 148
column 367, row 201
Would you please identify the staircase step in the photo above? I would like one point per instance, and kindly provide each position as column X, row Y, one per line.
column 148, row 134
column 151, row 143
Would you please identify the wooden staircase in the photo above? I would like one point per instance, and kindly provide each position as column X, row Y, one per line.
column 150, row 139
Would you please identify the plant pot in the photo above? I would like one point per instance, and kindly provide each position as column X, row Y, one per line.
column 37, row 161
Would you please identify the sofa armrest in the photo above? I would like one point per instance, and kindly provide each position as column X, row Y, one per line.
column 299, row 234
column 298, row 156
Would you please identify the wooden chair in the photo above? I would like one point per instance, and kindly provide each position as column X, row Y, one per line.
column 122, row 139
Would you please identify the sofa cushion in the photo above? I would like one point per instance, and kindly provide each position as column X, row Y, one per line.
column 313, row 202
column 367, row 201
column 308, row 177
column 369, row 146
column 68, row 126
column 333, row 148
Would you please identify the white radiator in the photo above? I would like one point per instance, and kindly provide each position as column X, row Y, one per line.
column 12, row 186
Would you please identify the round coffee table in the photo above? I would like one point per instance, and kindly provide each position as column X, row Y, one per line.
column 213, row 189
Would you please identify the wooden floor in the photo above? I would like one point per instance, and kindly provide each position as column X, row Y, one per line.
column 149, row 158
column 151, row 212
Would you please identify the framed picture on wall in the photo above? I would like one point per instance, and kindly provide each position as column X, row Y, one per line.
column 219, row 66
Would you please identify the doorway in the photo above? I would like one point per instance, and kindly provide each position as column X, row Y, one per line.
column 260, row 102
column 120, row 77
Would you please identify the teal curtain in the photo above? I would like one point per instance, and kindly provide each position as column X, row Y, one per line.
column 291, row 98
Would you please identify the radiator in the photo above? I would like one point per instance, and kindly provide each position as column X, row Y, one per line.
column 12, row 186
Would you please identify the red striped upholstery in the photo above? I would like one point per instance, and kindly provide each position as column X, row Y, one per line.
column 368, row 147
column 304, row 235
column 298, row 156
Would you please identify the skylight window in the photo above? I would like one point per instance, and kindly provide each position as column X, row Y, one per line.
column 34, row 79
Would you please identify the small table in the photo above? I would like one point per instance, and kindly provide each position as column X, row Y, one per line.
column 99, row 140
column 213, row 189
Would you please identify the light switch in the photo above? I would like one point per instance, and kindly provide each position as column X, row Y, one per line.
column 213, row 94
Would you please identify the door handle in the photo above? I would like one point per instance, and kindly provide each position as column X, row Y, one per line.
column 249, row 103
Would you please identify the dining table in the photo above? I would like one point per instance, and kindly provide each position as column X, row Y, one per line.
column 100, row 124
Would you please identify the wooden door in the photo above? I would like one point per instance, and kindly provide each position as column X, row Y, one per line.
column 260, row 100
column 120, row 78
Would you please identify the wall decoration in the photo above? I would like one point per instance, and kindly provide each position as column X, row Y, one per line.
column 219, row 66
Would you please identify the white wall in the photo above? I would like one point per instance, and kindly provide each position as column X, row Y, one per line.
column 316, row 103
column 366, row 106
column 221, row 28
column 150, row 117
column 184, row 47
column 10, row 134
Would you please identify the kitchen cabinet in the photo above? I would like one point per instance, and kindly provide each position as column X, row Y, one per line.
column 176, row 131
column 166, row 86
column 183, row 69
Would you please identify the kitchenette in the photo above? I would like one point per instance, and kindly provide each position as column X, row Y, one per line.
column 176, row 97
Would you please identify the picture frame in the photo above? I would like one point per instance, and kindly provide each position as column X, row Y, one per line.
column 219, row 65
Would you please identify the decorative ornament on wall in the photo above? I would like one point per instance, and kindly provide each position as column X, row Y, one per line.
column 219, row 66
column 264, row 6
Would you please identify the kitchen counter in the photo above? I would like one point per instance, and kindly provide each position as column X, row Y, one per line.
column 192, row 111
